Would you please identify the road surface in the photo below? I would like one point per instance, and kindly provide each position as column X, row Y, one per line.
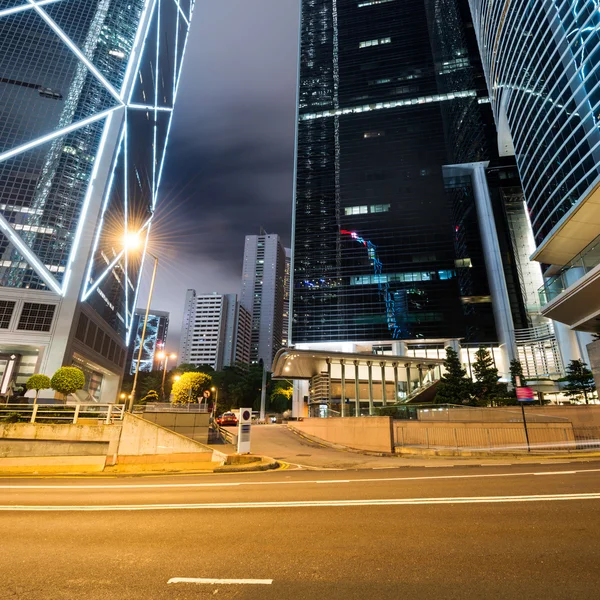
column 523, row 531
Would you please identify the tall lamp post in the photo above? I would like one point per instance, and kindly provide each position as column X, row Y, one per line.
column 216, row 391
column 133, row 241
column 166, row 356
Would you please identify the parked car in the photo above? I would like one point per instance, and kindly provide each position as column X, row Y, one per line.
column 227, row 419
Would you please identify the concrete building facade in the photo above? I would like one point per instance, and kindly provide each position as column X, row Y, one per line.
column 263, row 294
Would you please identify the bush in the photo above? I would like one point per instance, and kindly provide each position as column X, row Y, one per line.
column 67, row 380
column 38, row 382
column 151, row 396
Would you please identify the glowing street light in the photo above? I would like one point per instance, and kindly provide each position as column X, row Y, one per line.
column 166, row 357
column 132, row 242
column 216, row 391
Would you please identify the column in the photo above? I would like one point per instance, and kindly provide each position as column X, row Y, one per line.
column 370, row 366
column 408, row 386
column 356, row 390
column 420, row 367
column 383, row 390
column 395, row 365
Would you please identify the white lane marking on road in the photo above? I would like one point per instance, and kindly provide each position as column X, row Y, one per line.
column 307, row 503
column 299, row 482
column 200, row 580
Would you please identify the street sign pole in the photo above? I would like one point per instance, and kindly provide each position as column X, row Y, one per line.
column 525, row 426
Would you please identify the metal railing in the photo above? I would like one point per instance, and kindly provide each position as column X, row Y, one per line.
column 586, row 260
column 167, row 407
column 61, row 413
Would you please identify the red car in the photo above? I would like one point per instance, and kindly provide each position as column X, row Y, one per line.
column 227, row 419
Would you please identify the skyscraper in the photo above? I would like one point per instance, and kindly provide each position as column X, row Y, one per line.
column 285, row 338
column 542, row 65
column 375, row 256
column 216, row 331
column 87, row 91
column 155, row 340
column 263, row 293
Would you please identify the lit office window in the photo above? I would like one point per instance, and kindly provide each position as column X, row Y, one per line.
column 379, row 42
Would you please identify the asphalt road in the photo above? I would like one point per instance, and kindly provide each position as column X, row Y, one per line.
column 525, row 531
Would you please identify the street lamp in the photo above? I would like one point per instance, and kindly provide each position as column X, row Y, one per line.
column 166, row 356
column 132, row 242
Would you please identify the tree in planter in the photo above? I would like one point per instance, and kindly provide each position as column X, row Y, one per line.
column 516, row 370
column 189, row 387
column 486, row 388
column 67, row 380
column 455, row 386
column 580, row 380
column 38, row 382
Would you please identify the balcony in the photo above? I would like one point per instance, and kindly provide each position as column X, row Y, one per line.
column 571, row 296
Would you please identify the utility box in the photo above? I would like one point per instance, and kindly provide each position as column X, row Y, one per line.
column 244, row 425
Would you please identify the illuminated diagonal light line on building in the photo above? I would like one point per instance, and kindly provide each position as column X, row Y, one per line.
column 27, row 253
column 102, row 277
column 382, row 282
column 86, row 204
column 148, row 107
column 182, row 13
column 51, row 136
column 126, row 206
column 17, row 9
column 76, row 51
column 137, row 47
column 137, row 288
column 156, row 78
column 100, row 226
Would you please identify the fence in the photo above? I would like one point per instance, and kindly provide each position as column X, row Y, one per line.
column 61, row 413
column 511, row 414
column 168, row 407
column 489, row 436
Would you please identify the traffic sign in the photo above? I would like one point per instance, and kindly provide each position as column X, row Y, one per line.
column 244, row 422
column 525, row 394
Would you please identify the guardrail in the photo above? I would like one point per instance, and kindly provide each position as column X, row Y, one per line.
column 168, row 407
column 225, row 435
column 61, row 413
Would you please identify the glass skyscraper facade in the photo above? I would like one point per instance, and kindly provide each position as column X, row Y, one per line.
column 155, row 339
column 541, row 60
column 87, row 90
column 385, row 88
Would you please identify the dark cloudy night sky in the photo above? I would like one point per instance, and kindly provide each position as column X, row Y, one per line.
column 230, row 159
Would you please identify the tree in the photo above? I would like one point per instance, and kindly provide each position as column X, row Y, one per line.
column 486, row 388
column 516, row 370
column 38, row 382
column 67, row 380
column 281, row 394
column 454, row 386
column 185, row 368
column 580, row 380
column 151, row 396
column 189, row 387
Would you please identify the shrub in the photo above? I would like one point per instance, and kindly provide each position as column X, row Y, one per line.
column 67, row 380
column 151, row 396
column 38, row 382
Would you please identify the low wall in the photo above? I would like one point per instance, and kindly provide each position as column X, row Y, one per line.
column 141, row 438
column 481, row 435
column 191, row 425
column 14, row 448
column 50, row 439
column 361, row 433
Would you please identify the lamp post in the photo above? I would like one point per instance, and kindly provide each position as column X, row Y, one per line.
column 216, row 391
column 133, row 241
column 166, row 356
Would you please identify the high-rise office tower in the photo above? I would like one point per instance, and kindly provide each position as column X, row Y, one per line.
column 286, row 298
column 87, row 91
column 375, row 254
column 215, row 331
column 542, row 65
column 155, row 340
column 263, row 292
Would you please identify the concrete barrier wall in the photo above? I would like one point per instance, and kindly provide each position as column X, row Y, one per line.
column 140, row 437
column 14, row 448
column 45, row 434
column 361, row 433
column 481, row 435
column 191, row 425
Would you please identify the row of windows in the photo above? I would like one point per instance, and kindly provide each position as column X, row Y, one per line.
column 378, row 42
column 365, row 209
column 402, row 277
